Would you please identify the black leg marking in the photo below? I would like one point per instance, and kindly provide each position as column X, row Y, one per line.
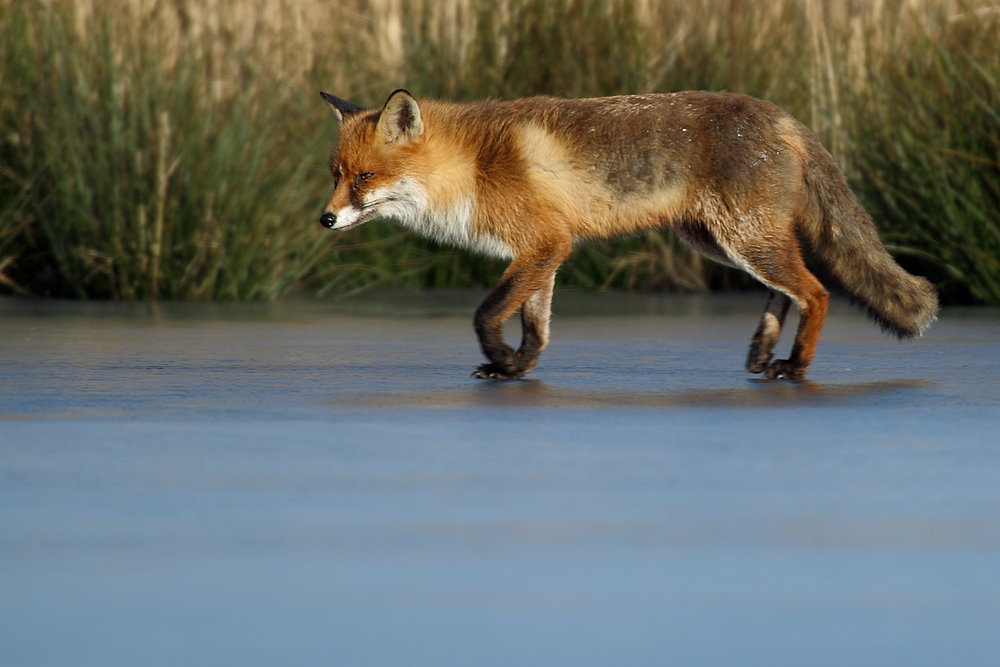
column 767, row 333
column 489, row 330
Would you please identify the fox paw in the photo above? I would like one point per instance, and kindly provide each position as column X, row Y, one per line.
column 758, row 360
column 495, row 372
column 783, row 369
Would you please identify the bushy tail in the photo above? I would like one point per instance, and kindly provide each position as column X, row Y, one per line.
column 845, row 244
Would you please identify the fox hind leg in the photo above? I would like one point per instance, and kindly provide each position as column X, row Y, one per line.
column 767, row 333
column 782, row 268
column 812, row 303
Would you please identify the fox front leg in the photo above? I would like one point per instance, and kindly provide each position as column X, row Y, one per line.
column 535, row 315
column 532, row 291
column 489, row 329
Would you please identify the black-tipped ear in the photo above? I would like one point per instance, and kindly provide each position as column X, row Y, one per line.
column 400, row 120
column 339, row 107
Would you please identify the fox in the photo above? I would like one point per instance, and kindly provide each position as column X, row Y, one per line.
column 736, row 178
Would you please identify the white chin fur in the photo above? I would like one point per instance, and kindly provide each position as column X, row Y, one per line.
column 406, row 203
column 347, row 217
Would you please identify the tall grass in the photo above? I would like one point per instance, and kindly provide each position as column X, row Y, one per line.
column 927, row 154
column 176, row 149
column 129, row 180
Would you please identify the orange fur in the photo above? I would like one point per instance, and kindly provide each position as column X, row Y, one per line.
column 736, row 178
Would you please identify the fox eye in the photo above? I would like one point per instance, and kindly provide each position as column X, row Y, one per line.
column 362, row 177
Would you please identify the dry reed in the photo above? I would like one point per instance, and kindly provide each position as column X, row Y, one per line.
column 174, row 148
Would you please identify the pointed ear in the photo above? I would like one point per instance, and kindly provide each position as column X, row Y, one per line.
column 400, row 120
column 339, row 107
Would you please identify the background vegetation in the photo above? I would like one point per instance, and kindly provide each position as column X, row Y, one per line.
column 176, row 149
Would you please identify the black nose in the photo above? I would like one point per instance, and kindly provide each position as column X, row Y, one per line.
column 328, row 220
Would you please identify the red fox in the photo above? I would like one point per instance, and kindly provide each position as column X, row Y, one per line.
column 736, row 178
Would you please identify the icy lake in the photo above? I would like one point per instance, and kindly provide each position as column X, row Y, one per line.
column 319, row 482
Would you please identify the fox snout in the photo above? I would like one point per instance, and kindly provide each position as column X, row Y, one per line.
column 328, row 220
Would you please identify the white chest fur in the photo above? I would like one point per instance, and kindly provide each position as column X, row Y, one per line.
column 406, row 203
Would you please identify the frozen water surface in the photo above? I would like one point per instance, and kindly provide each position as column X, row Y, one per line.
column 320, row 483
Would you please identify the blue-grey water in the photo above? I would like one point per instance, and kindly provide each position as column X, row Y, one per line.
column 321, row 483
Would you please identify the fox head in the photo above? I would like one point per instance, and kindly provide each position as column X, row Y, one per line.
column 373, row 155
